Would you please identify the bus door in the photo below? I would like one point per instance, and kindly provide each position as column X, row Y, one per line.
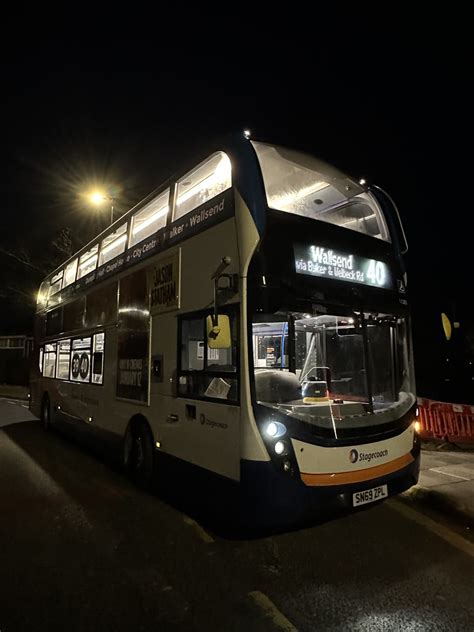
column 195, row 392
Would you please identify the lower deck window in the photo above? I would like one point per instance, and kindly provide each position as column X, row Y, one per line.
column 78, row 360
column 49, row 360
column 204, row 372
column 98, row 359
column 64, row 351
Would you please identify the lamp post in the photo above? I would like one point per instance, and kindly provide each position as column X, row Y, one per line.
column 97, row 198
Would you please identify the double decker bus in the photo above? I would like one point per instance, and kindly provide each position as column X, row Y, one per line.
column 247, row 323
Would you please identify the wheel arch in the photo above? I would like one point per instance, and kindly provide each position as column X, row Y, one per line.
column 45, row 414
column 135, row 422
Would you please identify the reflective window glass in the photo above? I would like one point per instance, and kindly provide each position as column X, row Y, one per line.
column 88, row 262
column 303, row 185
column 150, row 218
column 62, row 369
column 113, row 245
column 211, row 177
column 70, row 273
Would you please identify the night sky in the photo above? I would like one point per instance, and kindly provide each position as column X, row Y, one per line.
column 387, row 104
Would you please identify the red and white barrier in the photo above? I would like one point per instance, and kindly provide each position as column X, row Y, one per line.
column 449, row 422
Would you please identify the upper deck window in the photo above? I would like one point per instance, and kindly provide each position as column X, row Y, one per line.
column 113, row 245
column 211, row 177
column 150, row 218
column 42, row 297
column 300, row 184
column 56, row 283
column 70, row 273
column 88, row 262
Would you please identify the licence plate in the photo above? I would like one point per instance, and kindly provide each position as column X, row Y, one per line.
column 369, row 495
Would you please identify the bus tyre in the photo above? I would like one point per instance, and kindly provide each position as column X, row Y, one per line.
column 139, row 454
column 46, row 413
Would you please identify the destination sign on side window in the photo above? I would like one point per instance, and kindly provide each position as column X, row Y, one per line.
column 334, row 264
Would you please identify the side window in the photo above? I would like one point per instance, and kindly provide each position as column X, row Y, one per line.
column 54, row 322
column 42, row 298
column 98, row 358
column 150, row 218
column 88, row 262
column 63, row 359
column 56, row 283
column 74, row 314
column 101, row 306
column 41, row 360
column 113, row 245
column 211, row 177
column 70, row 273
column 49, row 360
column 192, row 344
column 204, row 372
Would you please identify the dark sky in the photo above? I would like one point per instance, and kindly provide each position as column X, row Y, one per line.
column 382, row 102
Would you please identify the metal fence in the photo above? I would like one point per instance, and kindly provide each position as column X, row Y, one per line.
column 445, row 421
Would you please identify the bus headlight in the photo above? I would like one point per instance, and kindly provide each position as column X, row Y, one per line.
column 275, row 429
column 279, row 447
column 417, row 427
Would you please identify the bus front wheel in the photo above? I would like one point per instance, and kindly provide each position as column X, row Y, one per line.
column 139, row 453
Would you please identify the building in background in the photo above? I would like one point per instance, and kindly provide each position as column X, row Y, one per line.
column 15, row 352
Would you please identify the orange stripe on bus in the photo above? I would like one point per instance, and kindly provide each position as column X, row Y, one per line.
column 357, row 476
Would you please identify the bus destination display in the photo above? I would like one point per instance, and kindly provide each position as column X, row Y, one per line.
column 342, row 266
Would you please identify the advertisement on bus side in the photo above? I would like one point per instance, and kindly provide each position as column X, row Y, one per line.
column 164, row 284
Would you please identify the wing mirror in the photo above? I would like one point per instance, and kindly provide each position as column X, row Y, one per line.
column 218, row 332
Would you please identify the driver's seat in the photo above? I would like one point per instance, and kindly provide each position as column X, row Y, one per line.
column 272, row 385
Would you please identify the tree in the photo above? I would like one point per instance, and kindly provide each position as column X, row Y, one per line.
column 21, row 270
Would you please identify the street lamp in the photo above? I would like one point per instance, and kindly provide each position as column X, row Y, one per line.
column 97, row 198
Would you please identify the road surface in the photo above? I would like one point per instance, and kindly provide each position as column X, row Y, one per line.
column 82, row 549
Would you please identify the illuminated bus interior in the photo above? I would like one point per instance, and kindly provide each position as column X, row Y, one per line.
column 303, row 185
column 348, row 370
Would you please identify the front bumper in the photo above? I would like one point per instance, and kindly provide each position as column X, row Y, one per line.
column 274, row 498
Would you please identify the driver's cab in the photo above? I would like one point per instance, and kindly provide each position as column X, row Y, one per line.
column 307, row 383
column 355, row 363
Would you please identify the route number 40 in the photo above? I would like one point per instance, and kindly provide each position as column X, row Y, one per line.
column 376, row 272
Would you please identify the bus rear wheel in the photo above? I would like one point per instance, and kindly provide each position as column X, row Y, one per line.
column 46, row 413
column 139, row 454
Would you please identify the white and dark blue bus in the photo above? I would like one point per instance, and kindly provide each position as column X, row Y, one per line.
column 246, row 325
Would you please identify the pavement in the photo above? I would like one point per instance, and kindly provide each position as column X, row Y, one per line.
column 15, row 392
column 446, row 482
column 13, row 411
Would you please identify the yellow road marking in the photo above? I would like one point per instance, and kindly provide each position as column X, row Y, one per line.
column 271, row 611
column 443, row 532
column 205, row 537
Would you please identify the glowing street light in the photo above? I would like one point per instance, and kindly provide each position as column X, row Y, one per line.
column 97, row 198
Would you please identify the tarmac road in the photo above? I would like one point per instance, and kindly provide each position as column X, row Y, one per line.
column 82, row 549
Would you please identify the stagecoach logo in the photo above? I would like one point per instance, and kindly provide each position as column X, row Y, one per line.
column 355, row 456
column 210, row 422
